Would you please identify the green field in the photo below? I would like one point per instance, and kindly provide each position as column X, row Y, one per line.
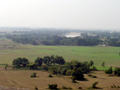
column 81, row 53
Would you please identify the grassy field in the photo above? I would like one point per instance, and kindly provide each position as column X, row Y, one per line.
column 9, row 51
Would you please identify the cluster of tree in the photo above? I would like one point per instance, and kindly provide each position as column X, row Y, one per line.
column 113, row 41
column 56, row 65
column 57, row 37
column 20, row 62
column 48, row 60
column 54, row 40
column 75, row 69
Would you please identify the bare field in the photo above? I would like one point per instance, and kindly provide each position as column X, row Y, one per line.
column 21, row 79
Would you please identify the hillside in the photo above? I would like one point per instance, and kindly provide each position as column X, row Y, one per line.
column 9, row 44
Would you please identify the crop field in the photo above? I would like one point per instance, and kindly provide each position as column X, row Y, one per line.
column 10, row 50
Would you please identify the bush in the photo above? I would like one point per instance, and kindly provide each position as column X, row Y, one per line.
column 73, row 80
column 91, row 63
column 69, row 72
column 36, row 88
column 52, row 86
column 33, row 67
column 53, row 70
column 77, row 74
column 45, row 67
column 50, row 75
column 94, row 68
column 33, row 75
column 63, row 71
column 93, row 76
column 94, row 85
column 117, row 71
column 109, row 71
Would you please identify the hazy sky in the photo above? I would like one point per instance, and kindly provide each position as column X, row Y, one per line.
column 75, row 14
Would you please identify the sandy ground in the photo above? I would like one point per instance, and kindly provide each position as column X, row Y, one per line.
column 20, row 80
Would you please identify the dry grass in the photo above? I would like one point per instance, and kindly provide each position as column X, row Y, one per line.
column 21, row 79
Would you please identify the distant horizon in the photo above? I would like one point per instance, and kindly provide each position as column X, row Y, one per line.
column 9, row 28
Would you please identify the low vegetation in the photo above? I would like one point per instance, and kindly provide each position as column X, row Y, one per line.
column 55, row 65
column 109, row 70
column 53, row 86
column 94, row 85
column 117, row 71
column 33, row 75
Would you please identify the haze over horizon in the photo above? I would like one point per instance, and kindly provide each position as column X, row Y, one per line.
column 72, row 14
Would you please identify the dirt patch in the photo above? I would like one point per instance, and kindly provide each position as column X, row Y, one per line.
column 11, row 80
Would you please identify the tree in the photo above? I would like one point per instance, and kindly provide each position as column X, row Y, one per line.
column 20, row 62
column 38, row 61
column 59, row 60
column 77, row 74
column 47, row 60
column 91, row 63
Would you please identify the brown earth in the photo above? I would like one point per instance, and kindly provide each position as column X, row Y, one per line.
column 20, row 80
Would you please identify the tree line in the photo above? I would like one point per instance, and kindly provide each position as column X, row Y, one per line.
column 58, row 38
column 47, row 60
column 55, row 65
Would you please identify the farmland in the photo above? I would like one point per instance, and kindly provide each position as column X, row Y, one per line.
column 10, row 50
column 12, row 79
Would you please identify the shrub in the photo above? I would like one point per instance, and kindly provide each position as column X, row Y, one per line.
column 50, row 75
column 91, row 63
column 36, row 88
column 45, row 67
column 33, row 67
column 117, row 71
column 79, row 87
column 94, row 68
column 53, row 69
column 73, row 80
column 93, row 76
column 77, row 74
column 109, row 71
column 52, row 86
column 69, row 72
column 63, row 71
column 33, row 75
column 94, row 85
